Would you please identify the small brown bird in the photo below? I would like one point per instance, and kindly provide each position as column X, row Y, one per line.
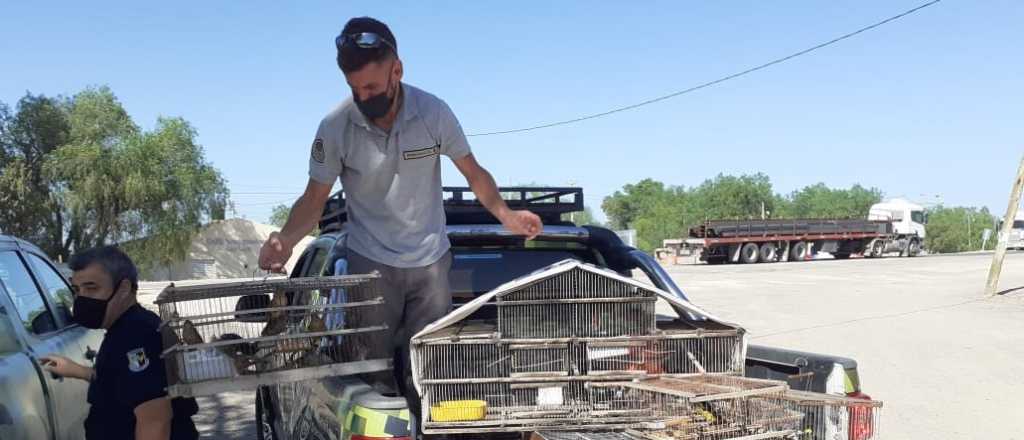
column 277, row 320
column 190, row 335
column 242, row 354
column 316, row 324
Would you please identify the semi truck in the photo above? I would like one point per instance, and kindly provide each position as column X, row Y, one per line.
column 1016, row 238
column 893, row 227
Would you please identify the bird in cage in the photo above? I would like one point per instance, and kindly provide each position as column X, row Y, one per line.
column 189, row 334
column 316, row 324
column 242, row 354
column 277, row 320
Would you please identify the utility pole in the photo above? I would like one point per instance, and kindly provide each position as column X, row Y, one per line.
column 1011, row 213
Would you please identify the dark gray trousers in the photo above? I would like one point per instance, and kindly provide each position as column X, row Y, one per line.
column 414, row 297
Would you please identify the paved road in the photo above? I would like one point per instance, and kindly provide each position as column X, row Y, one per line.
column 945, row 360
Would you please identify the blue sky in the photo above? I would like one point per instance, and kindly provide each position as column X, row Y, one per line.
column 928, row 107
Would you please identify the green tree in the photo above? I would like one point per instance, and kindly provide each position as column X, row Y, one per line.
column 820, row 201
column 624, row 206
column 96, row 178
column 734, row 197
column 279, row 215
column 958, row 229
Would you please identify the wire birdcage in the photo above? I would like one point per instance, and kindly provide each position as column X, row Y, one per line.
column 556, row 340
column 226, row 336
column 832, row 417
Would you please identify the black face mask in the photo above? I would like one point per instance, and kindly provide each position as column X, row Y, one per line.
column 376, row 106
column 90, row 312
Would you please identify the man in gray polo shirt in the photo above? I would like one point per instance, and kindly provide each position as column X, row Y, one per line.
column 385, row 144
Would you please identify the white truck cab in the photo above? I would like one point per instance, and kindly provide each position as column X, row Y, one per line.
column 1016, row 238
column 908, row 218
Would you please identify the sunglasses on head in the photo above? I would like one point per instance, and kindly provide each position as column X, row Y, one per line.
column 362, row 40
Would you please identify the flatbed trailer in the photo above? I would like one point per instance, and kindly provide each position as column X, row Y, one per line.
column 765, row 241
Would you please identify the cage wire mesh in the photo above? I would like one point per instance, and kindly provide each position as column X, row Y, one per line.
column 237, row 335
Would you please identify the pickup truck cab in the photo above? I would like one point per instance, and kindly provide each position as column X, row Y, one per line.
column 35, row 320
column 485, row 256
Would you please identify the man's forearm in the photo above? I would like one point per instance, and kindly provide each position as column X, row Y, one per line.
column 486, row 191
column 155, row 430
column 303, row 217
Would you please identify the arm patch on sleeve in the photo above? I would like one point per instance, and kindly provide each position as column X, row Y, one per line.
column 318, row 153
column 137, row 360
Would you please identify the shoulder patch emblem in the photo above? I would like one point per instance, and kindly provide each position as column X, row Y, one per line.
column 137, row 360
column 318, row 150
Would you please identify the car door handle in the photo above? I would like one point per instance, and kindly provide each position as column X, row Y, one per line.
column 90, row 354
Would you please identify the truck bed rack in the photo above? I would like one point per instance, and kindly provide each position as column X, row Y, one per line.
column 462, row 207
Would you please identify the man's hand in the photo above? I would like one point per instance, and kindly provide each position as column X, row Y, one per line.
column 522, row 223
column 275, row 253
column 65, row 367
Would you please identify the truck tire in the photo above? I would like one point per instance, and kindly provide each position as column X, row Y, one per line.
column 797, row 251
column 914, row 248
column 750, row 253
column 265, row 429
column 767, row 253
column 877, row 249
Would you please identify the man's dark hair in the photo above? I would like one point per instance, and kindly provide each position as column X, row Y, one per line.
column 353, row 58
column 113, row 260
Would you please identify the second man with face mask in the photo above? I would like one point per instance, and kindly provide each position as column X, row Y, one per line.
column 127, row 385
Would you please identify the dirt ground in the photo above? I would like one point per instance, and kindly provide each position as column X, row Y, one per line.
column 944, row 359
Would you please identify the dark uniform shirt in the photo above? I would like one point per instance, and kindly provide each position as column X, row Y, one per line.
column 129, row 372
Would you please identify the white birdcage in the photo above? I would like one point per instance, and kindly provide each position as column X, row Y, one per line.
column 561, row 335
column 225, row 336
column 577, row 348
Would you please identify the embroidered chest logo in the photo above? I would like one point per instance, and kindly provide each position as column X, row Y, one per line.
column 137, row 360
column 421, row 153
column 318, row 150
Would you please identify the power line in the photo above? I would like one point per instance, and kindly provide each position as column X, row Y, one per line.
column 711, row 83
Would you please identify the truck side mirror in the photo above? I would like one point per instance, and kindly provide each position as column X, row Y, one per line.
column 43, row 323
column 252, row 302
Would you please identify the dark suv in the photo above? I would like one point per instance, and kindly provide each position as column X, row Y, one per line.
column 485, row 256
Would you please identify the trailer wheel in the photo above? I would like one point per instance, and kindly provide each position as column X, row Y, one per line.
column 750, row 253
column 767, row 252
column 877, row 248
column 798, row 251
column 914, row 248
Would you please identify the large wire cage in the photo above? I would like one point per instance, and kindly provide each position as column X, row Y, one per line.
column 542, row 362
column 226, row 336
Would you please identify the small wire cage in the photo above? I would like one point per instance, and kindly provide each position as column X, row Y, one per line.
column 712, row 407
column 226, row 336
column 832, row 417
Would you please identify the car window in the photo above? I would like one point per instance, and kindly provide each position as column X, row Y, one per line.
column 478, row 270
column 55, row 286
column 27, row 299
column 1019, row 224
column 316, row 263
column 8, row 341
column 917, row 216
